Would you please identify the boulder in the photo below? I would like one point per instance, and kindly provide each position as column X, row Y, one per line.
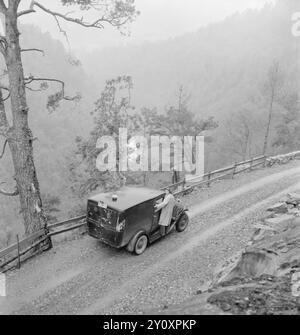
column 253, row 263
column 270, row 255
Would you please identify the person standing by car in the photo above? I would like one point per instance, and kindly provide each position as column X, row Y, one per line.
column 166, row 208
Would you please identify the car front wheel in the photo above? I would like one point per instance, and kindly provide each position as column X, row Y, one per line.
column 141, row 245
column 182, row 223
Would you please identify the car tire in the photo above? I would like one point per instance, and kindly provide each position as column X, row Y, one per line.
column 141, row 245
column 182, row 223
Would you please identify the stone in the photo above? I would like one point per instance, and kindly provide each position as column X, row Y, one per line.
column 279, row 208
column 262, row 226
column 261, row 231
column 293, row 199
column 280, row 221
column 294, row 211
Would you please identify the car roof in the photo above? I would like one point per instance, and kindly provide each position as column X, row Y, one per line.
column 128, row 197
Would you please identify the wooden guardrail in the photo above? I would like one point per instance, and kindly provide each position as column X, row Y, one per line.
column 20, row 248
column 237, row 168
column 53, row 231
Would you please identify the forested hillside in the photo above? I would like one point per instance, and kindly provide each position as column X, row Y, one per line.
column 225, row 68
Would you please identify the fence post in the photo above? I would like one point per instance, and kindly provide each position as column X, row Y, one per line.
column 48, row 241
column 234, row 170
column 251, row 164
column 265, row 161
column 19, row 261
column 183, row 183
column 208, row 179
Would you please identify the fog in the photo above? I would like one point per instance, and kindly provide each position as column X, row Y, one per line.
column 159, row 19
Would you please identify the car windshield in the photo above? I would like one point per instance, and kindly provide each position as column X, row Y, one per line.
column 101, row 214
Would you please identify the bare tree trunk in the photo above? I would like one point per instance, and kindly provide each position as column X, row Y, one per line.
column 244, row 147
column 275, row 81
column 21, row 144
column 250, row 146
column 265, row 148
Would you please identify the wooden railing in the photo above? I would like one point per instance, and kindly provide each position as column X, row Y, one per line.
column 19, row 249
column 79, row 222
column 15, row 251
column 185, row 186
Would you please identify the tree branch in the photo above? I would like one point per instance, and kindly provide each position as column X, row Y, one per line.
column 34, row 49
column 4, row 147
column 9, row 194
column 34, row 89
column 80, row 21
column 25, row 12
column 53, row 100
column 116, row 19
column 3, row 45
column 6, row 89
column 31, row 79
column 4, row 125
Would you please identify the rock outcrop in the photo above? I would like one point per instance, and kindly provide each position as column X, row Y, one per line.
column 282, row 159
column 265, row 277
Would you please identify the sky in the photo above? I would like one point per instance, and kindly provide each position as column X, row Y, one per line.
column 159, row 19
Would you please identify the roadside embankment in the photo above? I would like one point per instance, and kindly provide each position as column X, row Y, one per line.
column 265, row 277
column 283, row 159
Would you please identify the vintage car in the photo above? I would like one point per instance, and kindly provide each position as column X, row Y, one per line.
column 128, row 218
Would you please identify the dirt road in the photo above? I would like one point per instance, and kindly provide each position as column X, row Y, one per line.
column 86, row 277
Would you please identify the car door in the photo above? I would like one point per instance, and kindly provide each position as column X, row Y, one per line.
column 156, row 215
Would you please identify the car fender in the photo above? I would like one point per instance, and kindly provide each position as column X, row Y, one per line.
column 185, row 211
column 131, row 244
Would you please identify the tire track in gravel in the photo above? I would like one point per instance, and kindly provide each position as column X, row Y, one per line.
column 194, row 210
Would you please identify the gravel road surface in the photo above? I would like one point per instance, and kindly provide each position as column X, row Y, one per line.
column 83, row 276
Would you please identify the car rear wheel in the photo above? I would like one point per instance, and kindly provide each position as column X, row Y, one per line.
column 182, row 223
column 141, row 245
